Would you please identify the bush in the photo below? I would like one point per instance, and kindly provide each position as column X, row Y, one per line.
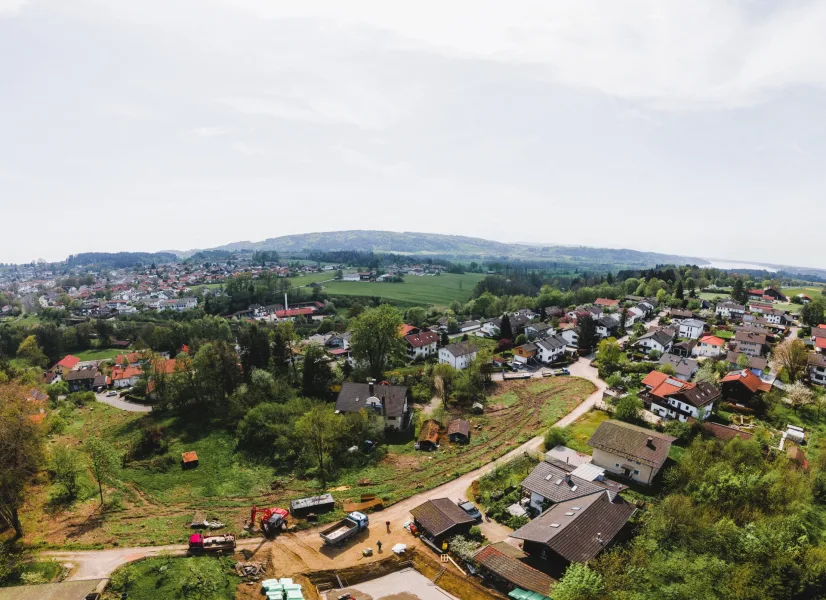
column 463, row 548
column 556, row 436
column 476, row 534
column 628, row 409
column 682, row 431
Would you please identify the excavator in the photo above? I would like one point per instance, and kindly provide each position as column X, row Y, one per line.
column 272, row 519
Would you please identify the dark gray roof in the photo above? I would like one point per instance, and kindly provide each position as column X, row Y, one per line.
column 703, row 394
column 755, row 362
column 460, row 348
column 352, row 397
column 81, row 374
column 684, row 367
column 630, row 441
column 578, row 530
column 543, row 481
column 552, row 343
column 661, row 336
column 440, row 516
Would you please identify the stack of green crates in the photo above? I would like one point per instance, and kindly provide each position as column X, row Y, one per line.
column 273, row 589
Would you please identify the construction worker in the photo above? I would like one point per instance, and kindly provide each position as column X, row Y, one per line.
column 378, row 545
column 388, row 526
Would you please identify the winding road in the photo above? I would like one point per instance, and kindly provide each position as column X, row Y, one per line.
column 306, row 545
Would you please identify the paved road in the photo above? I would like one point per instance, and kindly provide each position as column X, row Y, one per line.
column 122, row 404
column 98, row 564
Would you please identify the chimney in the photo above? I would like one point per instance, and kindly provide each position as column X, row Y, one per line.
column 599, row 539
column 370, row 383
column 650, row 443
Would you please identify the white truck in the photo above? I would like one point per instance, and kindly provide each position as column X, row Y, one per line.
column 339, row 533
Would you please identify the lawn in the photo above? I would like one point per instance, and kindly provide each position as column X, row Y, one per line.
column 204, row 577
column 99, row 354
column 438, row 290
column 582, row 430
column 153, row 502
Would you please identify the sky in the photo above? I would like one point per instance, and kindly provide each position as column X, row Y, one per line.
column 694, row 127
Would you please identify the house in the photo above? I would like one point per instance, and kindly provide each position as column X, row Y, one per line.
column 759, row 307
column 691, row 328
column 630, row 451
column 351, row 277
column 290, row 314
column 405, row 329
column 576, row 530
column 493, row 326
column 525, row 353
column 468, row 326
column 710, row 346
column 526, row 312
column 606, row 303
column 804, row 299
column 659, row 340
column 673, row 398
column 607, row 326
column 66, row 364
column 775, row 317
column 750, row 343
column 740, row 386
column 684, row 368
column 387, row 401
column 81, row 379
column 503, row 564
column 538, row 330
column 428, row 439
column 125, row 377
column 817, row 368
column 757, row 364
column 441, row 518
column 458, row 431
column 551, row 349
column 730, row 310
column 458, row 355
column 775, row 294
column 819, row 338
column 553, row 481
column 133, row 359
column 181, row 304
column 571, row 336
column 679, row 313
column 684, row 349
column 421, row 345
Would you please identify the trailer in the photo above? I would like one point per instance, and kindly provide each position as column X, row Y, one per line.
column 211, row 544
column 339, row 533
column 301, row 507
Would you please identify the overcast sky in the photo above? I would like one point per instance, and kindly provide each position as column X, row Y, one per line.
column 693, row 127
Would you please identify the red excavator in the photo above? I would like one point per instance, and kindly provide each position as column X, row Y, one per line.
column 272, row 519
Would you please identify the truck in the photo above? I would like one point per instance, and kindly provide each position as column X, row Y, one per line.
column 339, row 533
column 207, row 544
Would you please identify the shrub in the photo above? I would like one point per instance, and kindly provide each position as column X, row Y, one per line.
column 151, row 441
column 682, row 431
column 556, row 436
column 463, row 547
column 628, row 409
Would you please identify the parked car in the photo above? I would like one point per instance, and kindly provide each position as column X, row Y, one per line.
column 471, row 510
column 110, row 394
column 559, row 372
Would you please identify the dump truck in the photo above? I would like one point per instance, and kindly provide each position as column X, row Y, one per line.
column 206, row 544
column 339, row 533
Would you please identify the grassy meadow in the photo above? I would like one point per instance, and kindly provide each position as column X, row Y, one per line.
column 438, row 290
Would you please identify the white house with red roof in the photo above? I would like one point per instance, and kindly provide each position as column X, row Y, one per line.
column 710, row 346
column 421, row 345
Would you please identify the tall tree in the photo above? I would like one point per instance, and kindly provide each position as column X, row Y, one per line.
column 254, row 342
column 587, row 333
column 217, row 374
column 792, row 356
column 30, row 351
column 103, row 461
column 376, row 339
column 316, row 373
column 739, row 293
column 679, row 292
column 21, row 453
column 505, row 329
column 321, row 429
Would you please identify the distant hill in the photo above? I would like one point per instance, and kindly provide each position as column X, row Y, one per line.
column 455, row 246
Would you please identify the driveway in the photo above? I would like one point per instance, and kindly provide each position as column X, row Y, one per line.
column 122, row 404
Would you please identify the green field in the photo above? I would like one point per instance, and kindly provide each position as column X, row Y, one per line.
column 428, row 290
column 99, row 354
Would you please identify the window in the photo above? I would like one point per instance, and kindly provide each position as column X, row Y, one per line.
column 617, row 465
column 636, row 471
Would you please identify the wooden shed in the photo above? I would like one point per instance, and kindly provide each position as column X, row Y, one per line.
column 302, row 507
column 189, row 460
column 458, row 431
column 429, row 435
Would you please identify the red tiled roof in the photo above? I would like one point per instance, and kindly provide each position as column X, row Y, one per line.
column 293, row 312
column 745, row 377
column 127, row 373
column 418, row 340
column 68, row 361
column 654, row 378
column 820, row 343
column 606, row 302
column 712, row 340
column 132, row 357
column 405, row 329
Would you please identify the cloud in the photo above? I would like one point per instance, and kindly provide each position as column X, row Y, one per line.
column 672, row 55
column 11, row 7
column 208, row 132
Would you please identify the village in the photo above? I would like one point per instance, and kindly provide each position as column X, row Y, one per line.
column 591, row 402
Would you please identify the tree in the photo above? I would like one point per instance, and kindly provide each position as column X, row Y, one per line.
column 444, row 339
column 579, row 582
column 738, row 292
column 521, row 339
column 66, row 466
column 316, row 373
column 505, row 330
column 628, row 409
column 609, row 352
column 254, row 342
column 799, row 395
column 691, row 285
column 103, row 461
column 812, row 314
column 217, row 374
column 375, row 338
column 416, row 316
column 743, row 361
column 21, row 449
column 320, row 428
column 31, row 352
column 792, row 356
column 443, row 376
column 587, row 333
column 707, row 373
column 679, row 293
column 668, row 369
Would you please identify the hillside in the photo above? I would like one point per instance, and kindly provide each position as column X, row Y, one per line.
column 454, row 246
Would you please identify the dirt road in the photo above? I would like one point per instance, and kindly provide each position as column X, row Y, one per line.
column 305, row 549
